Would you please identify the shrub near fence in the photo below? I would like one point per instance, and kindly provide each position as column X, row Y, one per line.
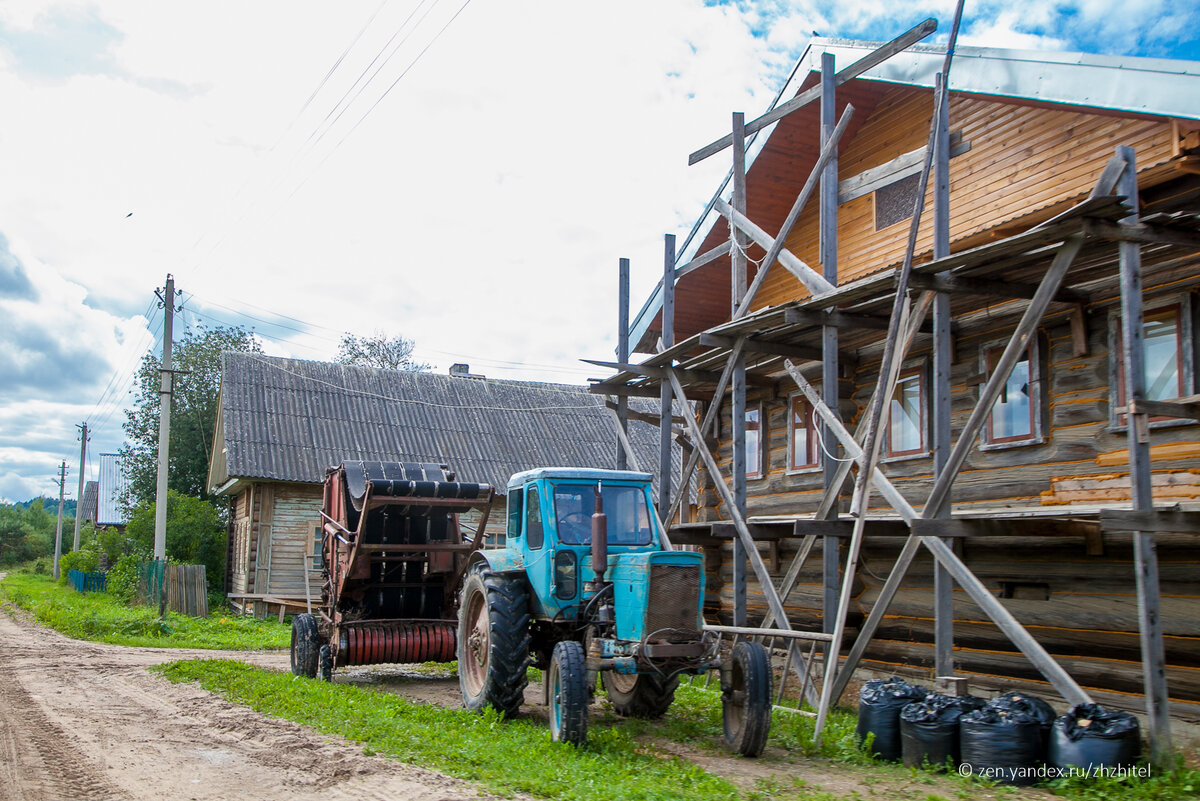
column 186, row 587
column 91, row 581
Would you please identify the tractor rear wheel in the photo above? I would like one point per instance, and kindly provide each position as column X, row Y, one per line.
column 306, row 644
column 645, row 695
column 746, row 698
column 325, row 663
column 493, row 641
column 568, row 691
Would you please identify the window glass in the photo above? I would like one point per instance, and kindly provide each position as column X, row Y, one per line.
column 1163, row 376
column 533, row 518
column 515, row 512
column 1012, row 413
column 802, row 438
column 906, row 418
column 754, row 443
column 624, row 506
column 319, row 561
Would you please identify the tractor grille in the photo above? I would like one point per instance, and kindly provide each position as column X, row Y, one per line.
column 674, row 598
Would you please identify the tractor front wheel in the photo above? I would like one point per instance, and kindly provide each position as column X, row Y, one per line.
column 306, row 644
column 746, row 698
column 493, row 641
column 644, row 695
column 568, row 691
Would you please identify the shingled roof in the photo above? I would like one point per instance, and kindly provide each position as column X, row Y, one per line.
column 289, row 420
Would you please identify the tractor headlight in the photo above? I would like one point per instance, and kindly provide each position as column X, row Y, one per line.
column 565, row 579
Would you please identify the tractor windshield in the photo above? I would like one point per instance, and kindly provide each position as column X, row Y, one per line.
column 628, row 516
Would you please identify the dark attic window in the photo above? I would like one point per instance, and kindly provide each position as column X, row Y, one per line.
column 895, row 202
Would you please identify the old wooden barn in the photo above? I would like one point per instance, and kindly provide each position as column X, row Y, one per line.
column 281, row 423
column 1031, row 513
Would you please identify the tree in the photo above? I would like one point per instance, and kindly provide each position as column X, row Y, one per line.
column 193, row 413
column 195, row 535
column 379, row 350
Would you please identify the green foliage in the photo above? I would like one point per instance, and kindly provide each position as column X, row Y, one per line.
column 379, row 350
column 101, row 617
column 193, row 413
column 195, row 534
column 26, row 532
column 508, row 756
column 86, row 559
column 1175, row 782
column 123, row 578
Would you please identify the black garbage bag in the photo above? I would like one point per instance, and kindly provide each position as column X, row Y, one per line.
column 879, row 705
column 1090, row 737
column 1002, row 744
column 1035, row 707
column 929, row 728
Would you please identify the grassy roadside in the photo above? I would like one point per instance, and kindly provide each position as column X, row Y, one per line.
column 624, row 759
column 97, row 616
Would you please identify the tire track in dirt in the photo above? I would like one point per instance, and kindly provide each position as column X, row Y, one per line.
column 85, row 720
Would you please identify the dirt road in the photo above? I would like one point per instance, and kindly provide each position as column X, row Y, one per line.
column 86, row 720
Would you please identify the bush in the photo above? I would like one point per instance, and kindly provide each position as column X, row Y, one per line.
column 195, row 535
column 123, row 577
column 87, row 559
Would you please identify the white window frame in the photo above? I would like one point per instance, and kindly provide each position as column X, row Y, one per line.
column 1187, row 357
column 1038, row 404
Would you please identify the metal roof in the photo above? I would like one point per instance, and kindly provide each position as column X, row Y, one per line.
column 112, row 486
column 1154, row 86
column 87, row 505
column 290, row 420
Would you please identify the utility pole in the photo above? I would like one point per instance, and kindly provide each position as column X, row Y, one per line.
column 62, row 483
column 164, row 422
column 83, row 439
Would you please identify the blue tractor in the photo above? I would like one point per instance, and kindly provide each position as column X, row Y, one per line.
column 583, row 587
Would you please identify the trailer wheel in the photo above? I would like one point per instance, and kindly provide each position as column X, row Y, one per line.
column 325, row 664
column 493, row 641
column 645, row 695
column 305, row 645
column 746, row 698
column 568, row 692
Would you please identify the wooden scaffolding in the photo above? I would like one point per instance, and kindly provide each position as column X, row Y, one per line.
column 1055, row 262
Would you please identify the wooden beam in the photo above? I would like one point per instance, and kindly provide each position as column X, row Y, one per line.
column 839, row 319
column 810, row 278
column 1148, row 520
column 828, row 153
column 1180, row 408
column 1145, row 556
column 635, row 390
column 943, row 584
column 691, row 376
column 1143, row 233
column 754, row 345
column 900, row 167
column 987, row 286
column 801, row 100
column 622, row 404
column 703, row 259
column 668, row 339
column 643, row 417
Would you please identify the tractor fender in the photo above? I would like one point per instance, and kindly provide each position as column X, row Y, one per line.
column 499, row 560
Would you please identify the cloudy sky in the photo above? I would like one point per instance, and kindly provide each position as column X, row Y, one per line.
column 464, row 174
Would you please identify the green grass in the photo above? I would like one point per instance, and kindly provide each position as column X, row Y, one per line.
column 99, row 617
column 509, row 756
column 624, row 759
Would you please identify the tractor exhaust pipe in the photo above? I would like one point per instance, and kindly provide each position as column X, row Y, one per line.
column 599, row 538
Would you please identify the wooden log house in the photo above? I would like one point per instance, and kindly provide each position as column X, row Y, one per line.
column 1043, row 511
column 281, row 423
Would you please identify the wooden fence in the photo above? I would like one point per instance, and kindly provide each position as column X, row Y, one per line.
column 186, row 587
column 91, row 581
